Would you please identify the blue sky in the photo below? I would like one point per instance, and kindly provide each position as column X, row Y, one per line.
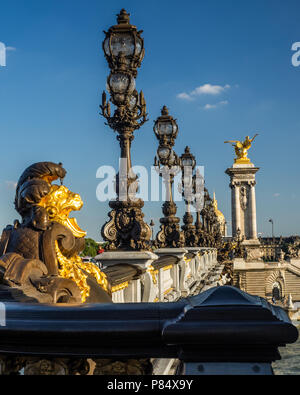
column 51, row 88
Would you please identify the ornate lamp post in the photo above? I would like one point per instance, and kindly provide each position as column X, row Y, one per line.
column 123, row 47
column 188, row 164
column 199, row 204
column 168, row 165
column 152, row 224
column 206, row 220
column 212, row 235
column 272, row 222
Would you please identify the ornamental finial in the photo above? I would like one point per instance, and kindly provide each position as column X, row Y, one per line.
column 164, row 111
column 123, row 17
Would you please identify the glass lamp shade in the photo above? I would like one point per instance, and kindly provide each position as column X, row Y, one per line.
column 175, row 128
column 187, row 159
column 133, row 100
column 122, row 43
column 106, row 46
column 187, row 162
column 127, row 44
column 164, row 128
column 120, row 83
column 163, row 153
column 138, row 46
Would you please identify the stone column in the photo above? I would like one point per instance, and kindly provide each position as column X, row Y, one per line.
column 253, row 210
column 235, row 201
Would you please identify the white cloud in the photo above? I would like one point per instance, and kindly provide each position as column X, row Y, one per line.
column 276, row 194
column 184, row 96
column 206, row 89
column 209, row 106
column 11, row 49
column 212, row 106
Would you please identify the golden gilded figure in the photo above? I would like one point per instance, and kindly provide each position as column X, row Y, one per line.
column 59, row 203
column 241, row 149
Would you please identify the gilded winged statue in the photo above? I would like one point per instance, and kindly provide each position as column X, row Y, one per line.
column 241, row 149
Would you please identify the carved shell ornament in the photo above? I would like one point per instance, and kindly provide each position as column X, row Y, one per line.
column 244, row 197
column 124, row 221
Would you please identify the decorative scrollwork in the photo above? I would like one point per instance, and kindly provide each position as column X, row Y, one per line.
column 128, row 367
column 126, row 230
column 125, row 117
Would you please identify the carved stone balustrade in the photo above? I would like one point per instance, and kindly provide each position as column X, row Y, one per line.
column 174, row 273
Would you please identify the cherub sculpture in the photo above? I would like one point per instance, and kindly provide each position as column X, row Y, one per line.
column 39, row 256
column 241, row 149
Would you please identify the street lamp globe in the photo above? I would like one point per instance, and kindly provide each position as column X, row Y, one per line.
column 121, row 86
column 165, row 127
column 163, row 153
column 123, row 44
column 188, row 159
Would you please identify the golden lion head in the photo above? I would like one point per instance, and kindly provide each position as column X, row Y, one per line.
column 59, row 203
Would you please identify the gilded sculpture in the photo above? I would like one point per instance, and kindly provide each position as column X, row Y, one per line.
column 241, row 149
column 41, row 254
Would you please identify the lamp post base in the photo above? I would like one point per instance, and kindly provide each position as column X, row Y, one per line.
column 169, row 235
column 126, row 229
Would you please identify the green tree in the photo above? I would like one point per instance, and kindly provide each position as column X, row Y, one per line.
column 91, row 248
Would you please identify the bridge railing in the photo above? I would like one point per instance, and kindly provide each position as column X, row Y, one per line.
column 221, row 331
column 169, row 278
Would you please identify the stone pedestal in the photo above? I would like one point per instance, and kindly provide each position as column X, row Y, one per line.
column 243, row 204
column 253, row 251
column 179, row 267
column 242, row 184
column 141, row 259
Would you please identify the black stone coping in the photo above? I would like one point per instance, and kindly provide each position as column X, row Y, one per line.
column 164, row 261
column 222, row 324
column 118, row 274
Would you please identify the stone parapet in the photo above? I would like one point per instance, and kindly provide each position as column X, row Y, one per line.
column 166, row 275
